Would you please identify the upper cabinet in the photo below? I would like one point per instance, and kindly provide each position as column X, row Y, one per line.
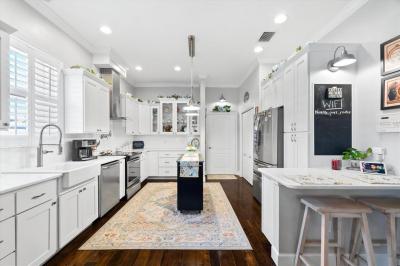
column 87, row 103
column 155, row 119
column 4, row 80
column 132, row 116
column 167, row 118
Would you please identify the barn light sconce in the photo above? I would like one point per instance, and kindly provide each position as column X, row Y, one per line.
column 345, row 59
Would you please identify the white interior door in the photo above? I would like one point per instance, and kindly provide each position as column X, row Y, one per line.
column 221, row 143
column 247, row 145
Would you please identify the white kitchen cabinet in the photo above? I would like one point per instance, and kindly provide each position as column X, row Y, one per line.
column 78, row 209
column 9, row 260
column 296, row 150
column 270, row 210
column 37, row 234
column 122, row 178
column 143, row 166
column 144, row 119
column 296, row 96
column 132, row 116
column 7, row 237
column 4, row 80
column 87, row 103
column 173, row 118
column 155, row 119
column 151, row 163
column 194, row 125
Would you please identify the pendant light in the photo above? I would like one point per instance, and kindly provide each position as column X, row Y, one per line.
column 191, row 106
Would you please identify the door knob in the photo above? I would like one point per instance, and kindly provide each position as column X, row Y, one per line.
column 209, row 148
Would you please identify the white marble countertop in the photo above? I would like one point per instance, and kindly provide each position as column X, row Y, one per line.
column 12, row 182
column 318, row 178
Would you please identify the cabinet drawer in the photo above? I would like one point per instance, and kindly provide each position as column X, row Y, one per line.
column 7, row 237
column 9, row 260
column 7, row 206
column 167, row 154
column 167, row 171
column 35, row 195
column 167, row 162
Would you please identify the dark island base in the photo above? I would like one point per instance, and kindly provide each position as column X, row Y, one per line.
column 190, row 192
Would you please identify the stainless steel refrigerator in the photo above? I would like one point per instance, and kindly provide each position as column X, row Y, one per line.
column 268, row 144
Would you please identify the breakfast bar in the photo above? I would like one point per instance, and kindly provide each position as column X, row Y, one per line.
column 282, row 211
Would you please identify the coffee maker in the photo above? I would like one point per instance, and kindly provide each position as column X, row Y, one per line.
column 82, row 149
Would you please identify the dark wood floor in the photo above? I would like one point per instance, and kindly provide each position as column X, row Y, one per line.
column 246, row 208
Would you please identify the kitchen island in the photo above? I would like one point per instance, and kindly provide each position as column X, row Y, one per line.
column 282, row 211
column 190, row 182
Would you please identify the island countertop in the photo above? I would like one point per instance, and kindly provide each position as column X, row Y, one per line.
column 319, row 178
column 190, row 156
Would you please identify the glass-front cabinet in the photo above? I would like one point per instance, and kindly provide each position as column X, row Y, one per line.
column 194, row 125
column 181, row 118
column 167, row 118
column 155, row 119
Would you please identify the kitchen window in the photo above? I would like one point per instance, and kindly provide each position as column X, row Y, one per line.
column 35, row 94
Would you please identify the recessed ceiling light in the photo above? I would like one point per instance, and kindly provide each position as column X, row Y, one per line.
column 280, row 18
column 177, row 68
column 105, row 29
column 138, row 68
column 258, row 49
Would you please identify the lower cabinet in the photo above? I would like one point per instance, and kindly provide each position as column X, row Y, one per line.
column 270, row 210
column 151, row 163
column 296, row 150
column 37, row 234
column 78, row 209
column 122, row 178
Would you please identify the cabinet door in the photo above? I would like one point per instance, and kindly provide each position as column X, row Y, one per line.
column 155, row 119
column 4, row 80
column 91, row 120
column 144, row 119
column 122, row 178
column 182, row 120
column 267, row 211
column 167, row 118
column 152, row 163
column 132, row 117
column 301, row 112
column 37, row 234
column 288, row 98
column 194, row 125
column 68, row 214
column 267, row 101
column 289, row 150
column 103, row 109
column 88, row 204
column 301, row 141
column 278, row 91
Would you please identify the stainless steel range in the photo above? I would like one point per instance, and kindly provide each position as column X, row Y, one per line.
column 132, row 172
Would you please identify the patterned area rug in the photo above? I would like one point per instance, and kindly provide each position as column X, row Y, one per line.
column 150, row 220
column 221, row 177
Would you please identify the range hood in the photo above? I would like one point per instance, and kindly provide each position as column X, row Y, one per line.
column 113, row 77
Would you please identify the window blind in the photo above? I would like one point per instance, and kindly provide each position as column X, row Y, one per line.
column 19, row 84
column 46, row 90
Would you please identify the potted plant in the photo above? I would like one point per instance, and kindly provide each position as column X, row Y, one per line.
column 355, row 156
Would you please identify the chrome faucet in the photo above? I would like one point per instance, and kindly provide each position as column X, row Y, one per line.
column 40, row 150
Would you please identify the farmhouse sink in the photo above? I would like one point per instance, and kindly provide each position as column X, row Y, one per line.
column 73, row 173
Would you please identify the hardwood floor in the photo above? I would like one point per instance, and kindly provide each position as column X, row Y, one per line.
column 246, row 208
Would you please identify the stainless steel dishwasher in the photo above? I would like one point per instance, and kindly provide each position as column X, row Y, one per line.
column 108, row 187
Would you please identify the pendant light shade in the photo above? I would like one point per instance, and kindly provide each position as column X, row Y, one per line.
column 191, row 106
column 222, row 98
column 345, row 59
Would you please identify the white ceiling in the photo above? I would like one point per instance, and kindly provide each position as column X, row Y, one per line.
column 153, row 33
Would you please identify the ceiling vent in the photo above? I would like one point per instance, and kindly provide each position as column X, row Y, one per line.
column 266, row 36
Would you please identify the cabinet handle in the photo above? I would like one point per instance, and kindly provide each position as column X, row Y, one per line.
column 6, row 124
column 80, row 191
column 294, row 138
column 53, row 203
column 38, row 196
column 84, row 189
column 1, row 241
column 1, row 209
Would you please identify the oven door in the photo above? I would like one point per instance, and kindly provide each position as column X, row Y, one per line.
column 133, row 172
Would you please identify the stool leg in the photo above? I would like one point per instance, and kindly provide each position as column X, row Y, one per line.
column 356, row 241
column 339, row 241
column 391, row 239
column 302, row 237
column 367, row 240
column 324, row 240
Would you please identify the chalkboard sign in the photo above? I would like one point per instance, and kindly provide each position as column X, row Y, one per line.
column 332, row 118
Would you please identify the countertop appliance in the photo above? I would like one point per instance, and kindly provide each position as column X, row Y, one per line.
column 82, row 149
column 108, row 187
column 267, row 144
column 132, row 171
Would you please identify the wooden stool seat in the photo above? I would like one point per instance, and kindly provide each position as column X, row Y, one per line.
column 332, row 205
column 334, row 208
column 390, row 207
column 382, row 204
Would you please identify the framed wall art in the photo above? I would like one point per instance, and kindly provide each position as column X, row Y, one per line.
column 390, row 92
column 390, row 56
